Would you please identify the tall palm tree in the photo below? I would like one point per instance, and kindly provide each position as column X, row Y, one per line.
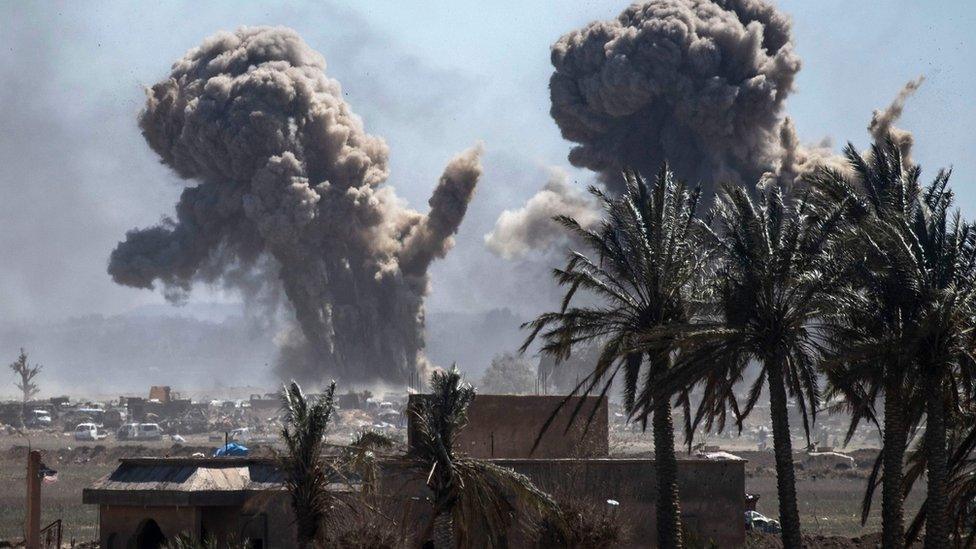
column 919, row 269
column 645, row 261
column 869, row 322
column 939, row 254
column 962, row 480
column 474, row 501
column 306, row 472
column 774, row 272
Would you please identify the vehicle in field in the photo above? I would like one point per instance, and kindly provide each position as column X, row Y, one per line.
column 139, row 431
column 89, row 431
column 38, row 419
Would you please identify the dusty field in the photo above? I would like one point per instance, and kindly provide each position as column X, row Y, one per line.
column 829, row 500
column 78, row 464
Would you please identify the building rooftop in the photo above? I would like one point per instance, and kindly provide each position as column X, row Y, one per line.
column 184, row 481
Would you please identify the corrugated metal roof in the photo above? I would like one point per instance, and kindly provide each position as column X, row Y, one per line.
column 191, row 476
column 184, row 481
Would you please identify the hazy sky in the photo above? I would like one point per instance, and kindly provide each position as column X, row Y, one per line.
column 431, row 78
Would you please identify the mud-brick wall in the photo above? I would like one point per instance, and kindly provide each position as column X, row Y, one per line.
column 506, row 426
column 711, row 492
column 119, row 525
column 264, row 515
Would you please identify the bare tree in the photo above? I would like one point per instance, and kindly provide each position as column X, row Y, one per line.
column 26, row 384
column 27, row 373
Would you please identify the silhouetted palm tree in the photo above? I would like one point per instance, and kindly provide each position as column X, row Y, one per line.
column 923, row 254
column 961, row 480
column 774, row 273
column 872, row 312
column 306, row 472
column 474, row 501
column 645, row 261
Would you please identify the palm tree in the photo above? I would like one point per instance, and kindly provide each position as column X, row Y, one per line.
column 774, row 271
column 961, row 480
column 306, row 472
column 869, row 321
column 645, row 262
column 360, row 458
column 920, row 266
column 938, row 253
column 474, row 501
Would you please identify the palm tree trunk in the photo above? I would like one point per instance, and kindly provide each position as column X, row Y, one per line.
column 895, row 441
column 789, row 517
column 444, row 530
column 937, row 502
column 668, row 507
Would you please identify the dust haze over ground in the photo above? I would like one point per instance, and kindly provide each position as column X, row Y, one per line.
column 75, row 174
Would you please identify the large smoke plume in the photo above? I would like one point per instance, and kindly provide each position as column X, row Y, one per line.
column 282, row 168
column 699, row 84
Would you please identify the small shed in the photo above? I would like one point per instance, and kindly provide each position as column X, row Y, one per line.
column 146, row 502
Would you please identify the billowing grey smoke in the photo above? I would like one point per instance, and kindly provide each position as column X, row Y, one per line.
column 531, row 227
column 883, row 121
column 283, row 168
column 699, row 84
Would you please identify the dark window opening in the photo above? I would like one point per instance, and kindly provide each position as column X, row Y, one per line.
column 150, row 536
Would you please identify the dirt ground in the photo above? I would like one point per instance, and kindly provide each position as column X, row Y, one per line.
column 829, row 499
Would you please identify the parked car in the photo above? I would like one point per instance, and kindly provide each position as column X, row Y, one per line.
column 38, row 418
column 139, row 431
column 89, row 431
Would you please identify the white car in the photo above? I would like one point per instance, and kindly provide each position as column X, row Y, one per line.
column 89, row 431
column 140, row 431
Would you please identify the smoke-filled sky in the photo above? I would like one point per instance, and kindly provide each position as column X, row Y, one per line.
column 75, row 173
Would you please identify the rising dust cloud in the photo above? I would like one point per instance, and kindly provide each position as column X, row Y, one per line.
column 280, row 167
column 702, row 85
column 286, row 189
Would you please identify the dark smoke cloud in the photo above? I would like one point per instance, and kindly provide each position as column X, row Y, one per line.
column 283, row 167
column 700, row 84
